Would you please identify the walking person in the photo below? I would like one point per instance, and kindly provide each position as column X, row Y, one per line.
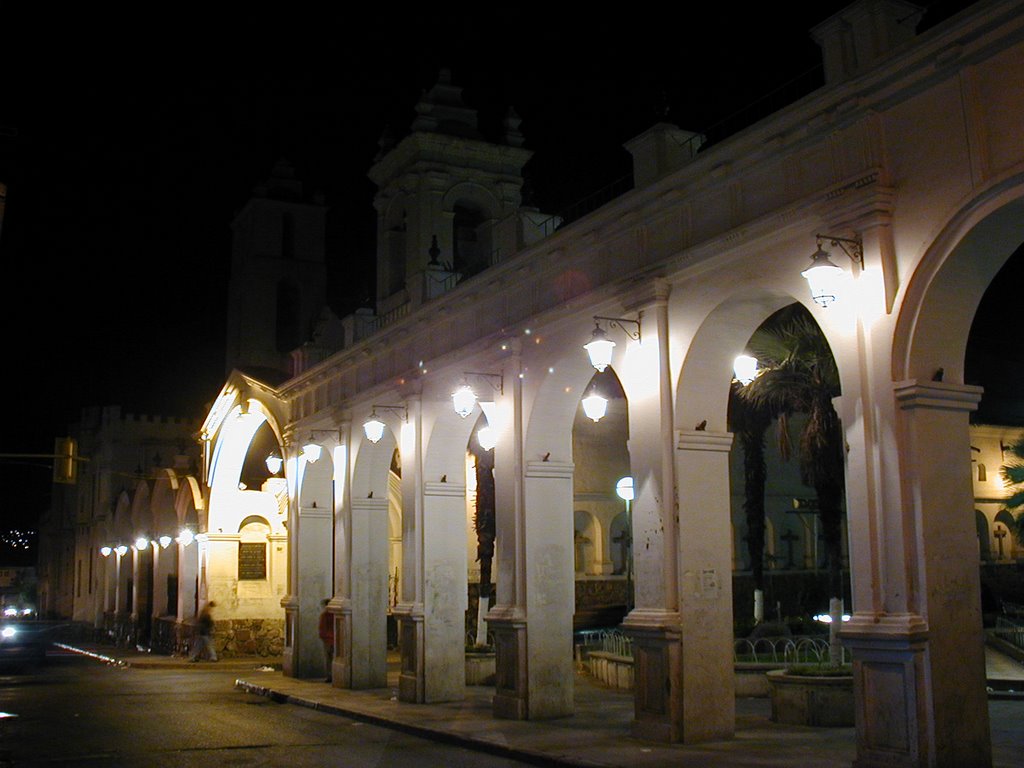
column 326, row 631
column 203, row 638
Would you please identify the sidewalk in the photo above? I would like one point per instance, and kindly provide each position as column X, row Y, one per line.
column 598, row 734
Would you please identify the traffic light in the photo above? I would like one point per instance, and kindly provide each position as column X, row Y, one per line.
column 65, row 460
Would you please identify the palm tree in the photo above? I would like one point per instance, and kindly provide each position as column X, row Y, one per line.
column 798, row 374
column 749, row 422
column 1013, row 474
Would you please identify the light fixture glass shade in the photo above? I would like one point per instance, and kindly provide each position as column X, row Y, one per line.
column 121, row 550
column 165, row 542
column 311, row 451
column 745, row 369
column 486, row 437
column 599, row 348
column 624, row 488
column 463, row 399
column 105, row 551
column 823, row 278
column 141, row 543
column 274, row 463
column 373, row 429
column 595, row 406
column 186, row 537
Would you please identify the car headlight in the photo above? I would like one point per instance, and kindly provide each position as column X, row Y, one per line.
column 8, row 632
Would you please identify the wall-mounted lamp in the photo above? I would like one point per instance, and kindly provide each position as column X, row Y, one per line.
column 141, row 543
column 121, row 550
column 373, row 428
column 105, row 551
column 185, row 537
column 594, row 405
column 311, row 450
column 165, row 541
column 600, row 347
column 274, row 463
column 464, row 398
column 823, row 275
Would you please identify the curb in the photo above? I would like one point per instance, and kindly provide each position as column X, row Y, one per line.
column 530, row 756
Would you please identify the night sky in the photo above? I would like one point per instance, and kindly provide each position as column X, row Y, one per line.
column 128, row 143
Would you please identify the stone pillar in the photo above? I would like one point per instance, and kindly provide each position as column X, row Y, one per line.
column 654, row 624
column 341, row 604
column 550, row 588
column 409, row 611
column 312, row 540
column 367, row 634
column 919, row 668
column 506, row 621
column 708, row 680
column 445, row 596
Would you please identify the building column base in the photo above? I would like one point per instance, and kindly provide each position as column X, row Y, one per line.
column 889, row 690
column 341, row 664
column 411, row 677
column 511, row 694
column 289, row 660
column 657, row 674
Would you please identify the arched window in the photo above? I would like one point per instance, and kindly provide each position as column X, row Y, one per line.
column 287, row 326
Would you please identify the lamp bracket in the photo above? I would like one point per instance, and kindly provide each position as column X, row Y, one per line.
column 496, row 380
column 401, row 410
column 852, row 247
column 617, row 322
column 333, row 432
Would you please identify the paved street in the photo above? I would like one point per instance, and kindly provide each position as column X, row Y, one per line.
column 78, row 712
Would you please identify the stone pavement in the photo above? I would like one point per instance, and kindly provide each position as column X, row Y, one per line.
column 596, row 735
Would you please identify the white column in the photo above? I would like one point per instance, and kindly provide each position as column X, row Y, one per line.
column 369, row 593
column 409, row 611
column 507, row 619
column 708, row 680
column 341, row 603
column 550, row 588
column 445, row 596
column 313, row 541
column 654, row 624
column 917, row 639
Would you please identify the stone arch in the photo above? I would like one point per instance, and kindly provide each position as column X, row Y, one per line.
column 165, row 529
column 984, row 536
column 588, row 541
column 945, row 289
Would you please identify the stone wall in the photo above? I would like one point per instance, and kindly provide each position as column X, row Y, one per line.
column 249, row 637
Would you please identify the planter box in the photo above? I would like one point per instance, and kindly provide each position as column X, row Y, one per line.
column 480, row 669
column 806, row 700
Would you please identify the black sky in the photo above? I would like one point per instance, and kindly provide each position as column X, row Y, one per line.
column 130, row 137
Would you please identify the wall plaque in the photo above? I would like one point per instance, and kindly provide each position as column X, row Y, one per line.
column 252, row 561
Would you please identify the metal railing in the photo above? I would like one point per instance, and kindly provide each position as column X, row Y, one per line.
column 1010, row 630
column 785, row 650
column 611, row 641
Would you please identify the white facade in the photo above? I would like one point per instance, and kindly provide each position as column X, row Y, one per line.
column 916, row 149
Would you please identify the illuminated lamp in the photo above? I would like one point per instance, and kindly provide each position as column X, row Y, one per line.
column 185, row 537
column 595, row 406
column 121, row 550
column 105, row 551
column 624, row 488
column 599, row 348
column 463, row 400
column 274, row 463
column 311, row 451
column 823, row 276
column 373, row 429
column 486, row 437
column 165, row 541
column 745, row 369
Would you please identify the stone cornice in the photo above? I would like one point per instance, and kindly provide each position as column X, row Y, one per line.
column 937, row 395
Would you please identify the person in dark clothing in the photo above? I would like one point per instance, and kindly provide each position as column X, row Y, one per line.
column 203, row 639
column 326, row 631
